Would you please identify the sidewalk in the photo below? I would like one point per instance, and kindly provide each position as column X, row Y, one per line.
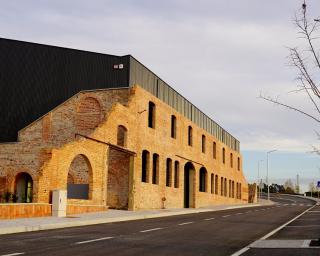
column 46, row 223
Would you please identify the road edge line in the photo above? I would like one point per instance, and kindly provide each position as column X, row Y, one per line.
column 246, row 248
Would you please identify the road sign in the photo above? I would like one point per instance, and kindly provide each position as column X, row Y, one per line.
column 318, row 184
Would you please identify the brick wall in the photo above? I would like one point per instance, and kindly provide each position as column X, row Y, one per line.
column 48, row 147
column 118, row 179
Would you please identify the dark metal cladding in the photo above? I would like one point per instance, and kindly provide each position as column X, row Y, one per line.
column 35, row 78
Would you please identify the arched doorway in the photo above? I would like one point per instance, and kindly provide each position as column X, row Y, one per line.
column 189, row 185
column 23, row 187
column 79, row 179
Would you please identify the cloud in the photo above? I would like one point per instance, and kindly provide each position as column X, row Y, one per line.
column 219, row 54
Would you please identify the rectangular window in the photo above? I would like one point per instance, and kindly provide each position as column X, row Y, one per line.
column 151, row 115
column 176, row 174
column 203, row 144
column 145, row 166
column 155, row 169
column 190, row 136
column 224, row 155
column 214, row 150
column 173, row 127
column 231, row 160
column 168, row 172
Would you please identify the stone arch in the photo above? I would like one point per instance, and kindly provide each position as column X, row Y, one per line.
column 23, row 188
column 79, row 179
column 189, row 185
column 89, row 114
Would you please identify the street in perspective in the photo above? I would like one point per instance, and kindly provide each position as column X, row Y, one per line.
column 160, row 128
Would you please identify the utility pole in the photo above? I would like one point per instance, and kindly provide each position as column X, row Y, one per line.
column 269, row 152
column 259, row 191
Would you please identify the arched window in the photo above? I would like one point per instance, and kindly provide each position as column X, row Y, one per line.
column 224, row 155
column 221, row 186
column 169, row 172
column 155, row 169
column 151, row 115
column 225, row 187
column 231, row 160
column 81, row 171
column 237, row 191
column 230, row 190
column 238, row 165
column 216, row 185
column 23, row 188
column 176, row 174
column 240, row 194
column 202, row 179
column 145, row 166
column 122, row 136
column 173, row 127
column 203, row 144
column 190, row 136
column 214, row 150
column 212, row 183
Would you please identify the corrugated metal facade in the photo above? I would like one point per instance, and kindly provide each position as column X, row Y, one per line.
column 36, row 78
column 142, row 76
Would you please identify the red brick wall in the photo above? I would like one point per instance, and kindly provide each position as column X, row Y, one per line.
column 13, row 211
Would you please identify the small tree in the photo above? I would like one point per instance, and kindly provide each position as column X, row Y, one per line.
column 307, row 63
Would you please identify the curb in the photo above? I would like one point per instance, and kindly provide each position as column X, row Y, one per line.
column 51, row 226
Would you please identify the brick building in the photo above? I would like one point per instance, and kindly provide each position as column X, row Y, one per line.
column 109, row 131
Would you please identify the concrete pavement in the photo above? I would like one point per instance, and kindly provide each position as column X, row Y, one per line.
column 110, row 216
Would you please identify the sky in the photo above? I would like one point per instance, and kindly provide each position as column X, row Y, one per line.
column 221, row 55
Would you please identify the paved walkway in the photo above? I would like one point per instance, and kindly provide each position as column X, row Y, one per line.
column 46, row 223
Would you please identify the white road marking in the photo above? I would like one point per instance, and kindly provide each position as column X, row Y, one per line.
column 240, row 252
column 225, row 216
column 256, row 210
column 248, row 211
column 210, row 219
column 244, row 249
column 149, row 230
column 303, row 226
column 13, row 254
column 94, row 240
column 185, row 223
column 277, row 244
column 239, row 213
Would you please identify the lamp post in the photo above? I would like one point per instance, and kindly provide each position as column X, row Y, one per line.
column 259, row 191
column 269, row 152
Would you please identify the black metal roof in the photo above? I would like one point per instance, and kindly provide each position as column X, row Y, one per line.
column 35, row 78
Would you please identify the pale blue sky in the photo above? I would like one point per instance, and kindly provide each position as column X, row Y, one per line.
column 219, row 54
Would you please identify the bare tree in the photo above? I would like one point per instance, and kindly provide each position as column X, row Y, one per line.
column 305, row 62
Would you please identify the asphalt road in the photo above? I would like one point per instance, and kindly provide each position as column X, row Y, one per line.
column 212, row 233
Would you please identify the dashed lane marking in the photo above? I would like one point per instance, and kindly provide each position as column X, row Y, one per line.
column 185, row 223
column 239, row 213
column 94, row 240
column 226, row 216
column 149, row 230
column 13, row 254
column 210, row 219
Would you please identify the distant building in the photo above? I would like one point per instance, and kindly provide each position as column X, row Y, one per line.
column 109, row 131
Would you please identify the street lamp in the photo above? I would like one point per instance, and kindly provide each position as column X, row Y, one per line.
column 259, row 191
column 269, row 152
